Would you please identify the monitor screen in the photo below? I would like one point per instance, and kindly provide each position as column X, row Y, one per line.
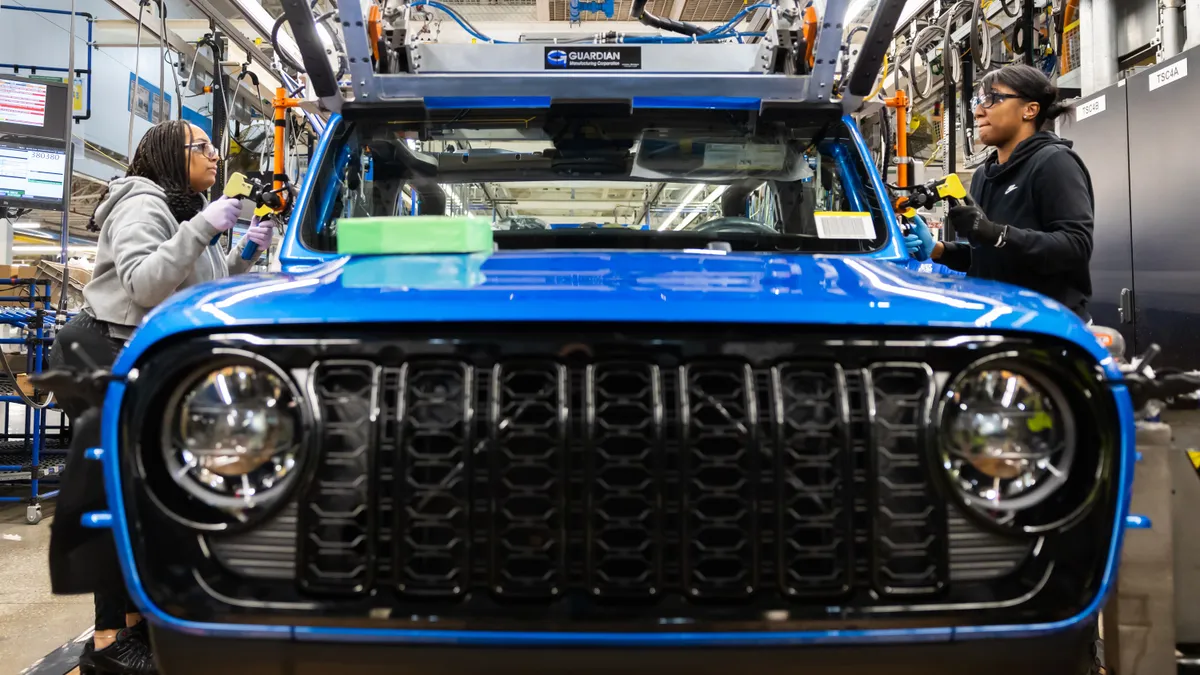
column 34, row 109
column 31, row 176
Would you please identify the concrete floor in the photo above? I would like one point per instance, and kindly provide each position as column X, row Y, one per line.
column 33, row 621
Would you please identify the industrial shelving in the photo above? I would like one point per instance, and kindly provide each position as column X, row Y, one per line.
column 33, row 440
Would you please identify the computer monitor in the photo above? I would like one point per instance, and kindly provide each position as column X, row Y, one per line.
column 33, row 109
column 32, row 174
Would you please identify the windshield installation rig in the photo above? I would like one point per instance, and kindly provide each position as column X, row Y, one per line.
column 794, row 60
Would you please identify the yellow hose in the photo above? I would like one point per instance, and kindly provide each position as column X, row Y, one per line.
column 882, row 78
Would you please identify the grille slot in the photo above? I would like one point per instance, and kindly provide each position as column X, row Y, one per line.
column 910, row 552
column 720, row 473
column 979, row 555
column 624, row 479
column 528, row 479
column 433, row 501
column 337, row 520
column 267, row 552
column 815, row 469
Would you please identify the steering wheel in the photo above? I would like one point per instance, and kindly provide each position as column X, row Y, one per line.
column 733, row 225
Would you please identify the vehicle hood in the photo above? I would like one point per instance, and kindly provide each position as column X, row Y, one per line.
column 692, row 286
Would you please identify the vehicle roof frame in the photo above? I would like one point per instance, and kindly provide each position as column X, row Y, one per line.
column 370, row 87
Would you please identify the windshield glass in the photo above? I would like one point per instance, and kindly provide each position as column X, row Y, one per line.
column 572, row 176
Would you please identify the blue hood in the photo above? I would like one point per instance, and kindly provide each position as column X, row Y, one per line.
column 690, row 286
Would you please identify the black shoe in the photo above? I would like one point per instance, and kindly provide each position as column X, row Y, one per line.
column 129, row 655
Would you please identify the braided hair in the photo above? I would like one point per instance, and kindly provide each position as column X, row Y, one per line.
column 162, row 156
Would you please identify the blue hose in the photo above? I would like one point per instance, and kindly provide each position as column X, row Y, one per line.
column 738, row 17
column 458, row 20
column 707, row 37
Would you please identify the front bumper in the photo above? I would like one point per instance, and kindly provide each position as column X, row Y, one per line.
column 1064, row 653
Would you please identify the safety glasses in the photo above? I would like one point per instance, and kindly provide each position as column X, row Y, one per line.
column 989, row 98
column 205, row 148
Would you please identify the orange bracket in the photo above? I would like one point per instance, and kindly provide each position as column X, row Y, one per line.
column 900, row 103
column 375, row 29
column 281, row 104
column 810, row 33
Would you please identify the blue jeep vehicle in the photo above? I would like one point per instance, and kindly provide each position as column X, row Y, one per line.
column 749, row 442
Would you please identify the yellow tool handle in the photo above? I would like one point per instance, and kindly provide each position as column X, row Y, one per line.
column 238, row 187
column 952, row 187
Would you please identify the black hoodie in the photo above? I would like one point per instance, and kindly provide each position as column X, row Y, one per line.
column 1044, row 194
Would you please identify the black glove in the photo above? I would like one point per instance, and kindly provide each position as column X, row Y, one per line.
column 969, row 220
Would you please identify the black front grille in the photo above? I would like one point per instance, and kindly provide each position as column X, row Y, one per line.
column 623, row 479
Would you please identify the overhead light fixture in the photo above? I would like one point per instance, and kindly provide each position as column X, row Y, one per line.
column 707, row 200
column 687, row 200
column 855, row 9
column 37, row 234
column 40, row 249
column 263, row 22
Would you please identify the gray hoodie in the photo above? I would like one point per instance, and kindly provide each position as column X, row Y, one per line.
column 145, row 255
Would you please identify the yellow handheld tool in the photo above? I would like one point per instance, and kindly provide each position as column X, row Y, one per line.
column 265, row 201
column 947, row 188
column 926, row 195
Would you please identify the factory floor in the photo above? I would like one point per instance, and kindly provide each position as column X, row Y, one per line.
column 33, row 621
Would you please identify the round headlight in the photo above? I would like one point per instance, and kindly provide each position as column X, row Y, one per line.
column 1008, row 438
column 233, row 436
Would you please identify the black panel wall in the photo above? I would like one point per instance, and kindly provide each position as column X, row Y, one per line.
column 1164, row 164
column 1098, row 127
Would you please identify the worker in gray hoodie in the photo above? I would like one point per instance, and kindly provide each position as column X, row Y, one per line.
column 157, row 235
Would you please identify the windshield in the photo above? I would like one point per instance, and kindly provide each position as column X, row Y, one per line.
column 571, row 176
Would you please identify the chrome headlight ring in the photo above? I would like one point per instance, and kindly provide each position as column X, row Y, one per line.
column 1008, row 443
column 235, row 435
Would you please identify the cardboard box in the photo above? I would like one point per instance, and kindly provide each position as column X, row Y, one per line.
column 25, row 385
column 54, row 273
column 17, row 363
column 17, row 272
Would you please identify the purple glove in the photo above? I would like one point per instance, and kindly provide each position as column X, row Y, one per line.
column 261, row 233
column 223, row 213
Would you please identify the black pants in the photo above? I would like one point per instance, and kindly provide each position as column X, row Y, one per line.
column 87, row 335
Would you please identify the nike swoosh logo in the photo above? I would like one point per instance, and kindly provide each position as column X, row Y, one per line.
column 1010, row 189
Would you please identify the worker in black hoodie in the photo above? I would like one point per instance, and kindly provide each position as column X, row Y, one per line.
column 1032, row 223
